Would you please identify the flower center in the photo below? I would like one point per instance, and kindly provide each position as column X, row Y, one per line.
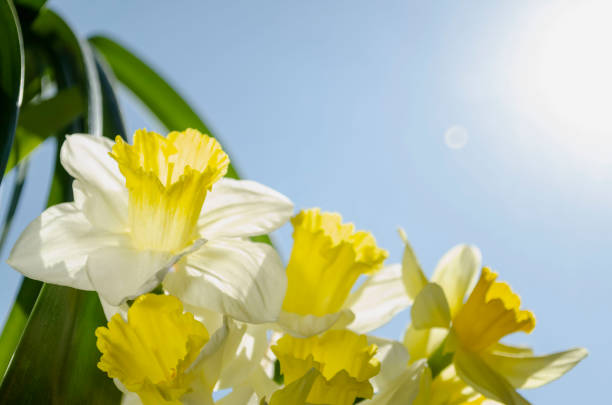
column 491, row 312
column 326, row 260
column 167, row 180
column 151, row 352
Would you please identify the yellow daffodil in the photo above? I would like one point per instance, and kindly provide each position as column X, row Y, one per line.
column 159, row 211
column 344, row 360
column 491, row 312
column 162, row 352
column 452, row 352
column 326, row 260
column 152, row 353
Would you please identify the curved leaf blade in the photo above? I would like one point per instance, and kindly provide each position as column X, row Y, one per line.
column 155, row 92
column 63, row 319
column 11, row 78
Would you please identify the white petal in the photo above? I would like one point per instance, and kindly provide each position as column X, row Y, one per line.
column 239, row 208
column 405, row 388
column 303, row 326
column 105, row 210
column 430, row 308
column 242, row 279
column 86, row 158
column 476, row 373
column 261, row 382
column 456, row 273
column 378, row 299
column 211, row 319
column 245, row 347
column 393, row 358
column 534, row 371
column 122, row 273
column 131, row 398
column 111, row 310
column 239, row 396
column 55, row 246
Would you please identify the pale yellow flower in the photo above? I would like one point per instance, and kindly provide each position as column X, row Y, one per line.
column 326, row 260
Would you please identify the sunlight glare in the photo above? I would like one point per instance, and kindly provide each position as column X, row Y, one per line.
column 566, row 74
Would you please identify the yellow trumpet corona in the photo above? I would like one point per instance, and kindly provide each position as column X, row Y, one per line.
column 343, row 358
column 491, row 312
column 327, row 258
column 151, row 352
column 168, row 179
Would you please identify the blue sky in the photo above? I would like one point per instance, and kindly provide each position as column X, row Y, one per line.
column 345, row 105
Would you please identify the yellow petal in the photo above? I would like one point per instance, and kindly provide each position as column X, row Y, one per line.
column 167, row 180
column 151, row 352
column 475, row 372
column 412, row 274
column 456, row 273
column 344, row 359
column 491, row 312
column 430, row 308
column 533, row 371
column 326, row 260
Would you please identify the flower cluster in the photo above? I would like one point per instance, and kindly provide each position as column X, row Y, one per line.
column 196, row 307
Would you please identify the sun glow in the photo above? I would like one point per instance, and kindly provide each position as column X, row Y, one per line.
column 566, row 75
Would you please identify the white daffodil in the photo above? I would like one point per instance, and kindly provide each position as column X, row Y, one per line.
column 156, row 212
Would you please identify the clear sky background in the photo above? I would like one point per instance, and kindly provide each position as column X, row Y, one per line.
column 473, row 121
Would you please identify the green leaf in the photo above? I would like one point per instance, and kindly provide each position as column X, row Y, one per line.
column 11, row 78
column 14, row 200
column 17, row 319
column 74, row 66
column 113, row 123
column 55, row 361
column 163, row 101
column 38, row 121
column 33, row 5
column 56, row 357
column 439, row 359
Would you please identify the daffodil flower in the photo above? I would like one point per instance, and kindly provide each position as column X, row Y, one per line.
column 159, row 211
column 491, row 312
column 344, row 360
column 152, row 354
column 326, row 260
column 161, row 353
column 452, row 352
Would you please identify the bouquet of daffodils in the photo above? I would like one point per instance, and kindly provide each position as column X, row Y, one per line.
column 173, row 294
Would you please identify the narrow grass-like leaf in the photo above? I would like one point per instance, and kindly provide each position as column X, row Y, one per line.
column 55, row 361
column 38, row 121
column 112, row 122
column 17, row 318
column 33, row 5
column 44, row 370
column 11, row 78
column 155, row 92
column 22, row 170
